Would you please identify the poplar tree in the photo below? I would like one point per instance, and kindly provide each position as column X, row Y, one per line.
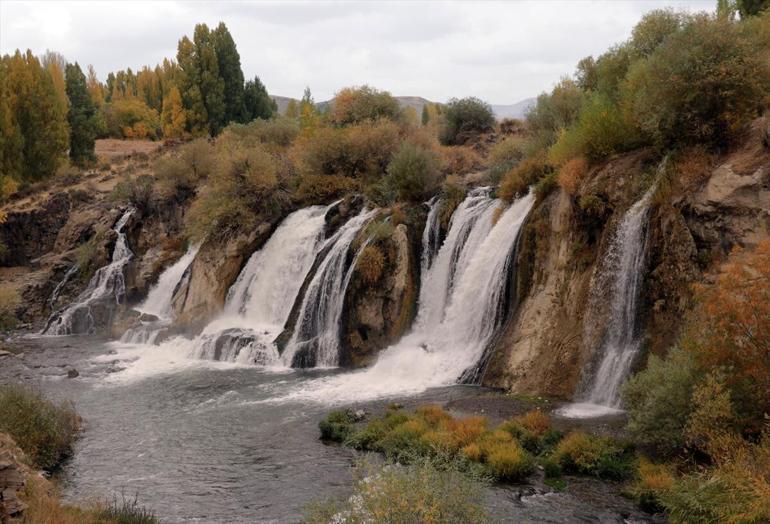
column 173, row 117
column 81, row 116
column 257, row 102
column 229, row 63
column 425, row 115
column 291, row 110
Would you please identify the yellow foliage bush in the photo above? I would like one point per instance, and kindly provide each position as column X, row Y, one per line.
column 572, row 173
column 370, row 264
column 509, row 461
column 459, row 160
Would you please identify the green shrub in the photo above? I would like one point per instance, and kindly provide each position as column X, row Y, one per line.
column 463, row 116
column 591, row 455
column 135, row 191
column 190, row 167
column 279, row 132
column 518, row 180
column 337, row 426
column 703, row 84
column 659, row 401
column 553, row 112
column 404, row 494
column 367, row 437
column 10, row 300
column 546, row 184
column 413, row 173
column 43, row 429
column 504, row 156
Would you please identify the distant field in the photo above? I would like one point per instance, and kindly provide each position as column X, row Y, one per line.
column 112, row 147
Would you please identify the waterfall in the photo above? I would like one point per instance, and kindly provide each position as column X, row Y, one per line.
column 430, row 234
column 93, row 307
column 621, row 273
column 157, row 305
column 57, row 290
column 260, row 301
column 316, row 337
column 456, row 320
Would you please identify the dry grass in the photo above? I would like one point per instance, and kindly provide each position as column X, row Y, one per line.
column 370, row 264
column 110, row 148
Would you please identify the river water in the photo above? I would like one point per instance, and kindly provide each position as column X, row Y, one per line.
column 206, row 441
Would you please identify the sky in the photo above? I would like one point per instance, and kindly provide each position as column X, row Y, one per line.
column 501, row 52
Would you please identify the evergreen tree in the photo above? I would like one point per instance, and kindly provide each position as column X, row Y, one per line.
column 752, row 7
column 257, row 102
column 81, row 116
column 425, row 115
column 229, row 63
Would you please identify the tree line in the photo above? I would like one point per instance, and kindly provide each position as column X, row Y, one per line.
column 51, row 109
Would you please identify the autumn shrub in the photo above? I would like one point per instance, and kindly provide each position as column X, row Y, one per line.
column 593, row 455
column 132, row 118
column 312, row 189
column 188, row 169
column 337, row 425
column 279, row 132
column 517, row 181
column 703, row 84
column 354, row 105
column 413, row 173
column 651, row 481
column 245, row 186
column 10, row 300
column 44, row 430
column 404, row 494
column 453, row 192
column 659, row 401
column 509, row 461
column 692, row 166
column 370, row 264
column 505, row 155
column 458, row 160
column 572, row 173
column 465, row 116
column 135, row 191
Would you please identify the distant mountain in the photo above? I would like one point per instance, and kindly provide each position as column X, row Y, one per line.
column 517, row 110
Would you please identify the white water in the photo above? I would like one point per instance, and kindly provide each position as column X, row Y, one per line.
column 57, row 290
column 108, row 282
column 430, row 235
column 452, row 337
column 316, row 337
column 260, row 301
column 622, row 272
column 158, row 301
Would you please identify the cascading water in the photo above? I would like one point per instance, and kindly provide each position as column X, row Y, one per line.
column 456, row 321
column 106, row 288
column 316, row 337
column 622, row 273
column 58, row 289
column 260, row 301
column 430, row 235
column 157, row 306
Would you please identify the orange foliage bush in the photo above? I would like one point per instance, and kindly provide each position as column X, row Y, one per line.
column 459, row 160
column 572, row 173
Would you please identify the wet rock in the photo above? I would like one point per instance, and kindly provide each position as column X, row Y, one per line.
column 72, row 373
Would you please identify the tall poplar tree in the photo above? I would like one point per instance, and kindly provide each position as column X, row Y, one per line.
column 257, row 102
column 81, row 116
column 229, row 62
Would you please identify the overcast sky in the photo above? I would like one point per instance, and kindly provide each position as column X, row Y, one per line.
column 499, row 51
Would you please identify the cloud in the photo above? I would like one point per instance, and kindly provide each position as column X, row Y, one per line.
column 499, row 51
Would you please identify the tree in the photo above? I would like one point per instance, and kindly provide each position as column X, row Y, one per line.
column 173, row 116
column 39, row 114
column 96, row 90
column 466, row 115
column 425, row 115
column 291, row 110
column 355, row 105
column 752, row 7
column 200, row 85
column 56, row 64
column 308, row 113
column 229, row 64
column 257, row 103
column 81, row 116
column 11, row 139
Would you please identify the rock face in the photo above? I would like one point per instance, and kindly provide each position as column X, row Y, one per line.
column 552, row 334
column 203, row 290
column 381, row 299
column 13, row 479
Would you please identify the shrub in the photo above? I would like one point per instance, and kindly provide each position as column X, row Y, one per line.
column 571, row 174
column 505, row 155
column 10, row 300
column 354, row 105
column 545, row 185
column 413, row 173
column 658, row 401
column 132, row 118
column 592, row 455
column 692, row 166
column 184, row 172
column 464, row 116
column 279, row 132
column 337, row 426
column 652, row 481
column 600, row 130
column 452, row 193
column 509, row 461
column 516, row 182
column 44, row 430
column 245, row 186
column 418, row 493
column 367, row 437
column 135, row 191
column 127, row 511
column 553, row 112
column 313, row 189
column 370, row 264
column 458, row 160
column 703, row 84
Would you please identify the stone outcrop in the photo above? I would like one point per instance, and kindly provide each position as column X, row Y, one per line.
column 13, row 480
